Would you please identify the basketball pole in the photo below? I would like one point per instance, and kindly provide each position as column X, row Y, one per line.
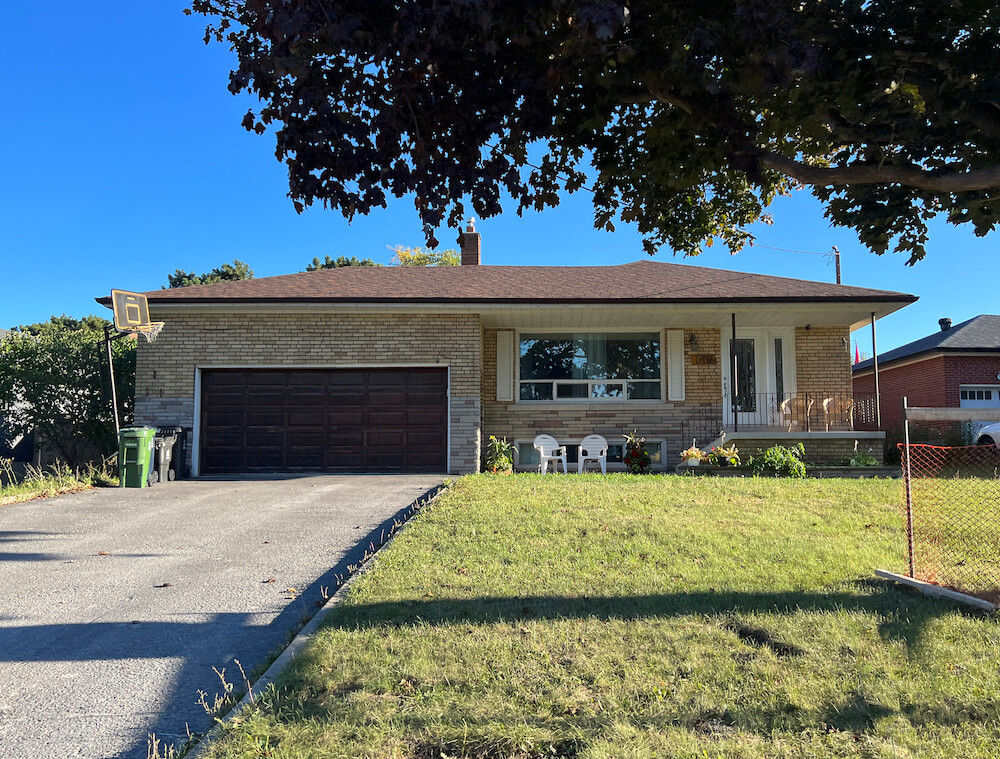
column 111, row 377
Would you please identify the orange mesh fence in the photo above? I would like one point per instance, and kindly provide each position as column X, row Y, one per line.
column 952, row 504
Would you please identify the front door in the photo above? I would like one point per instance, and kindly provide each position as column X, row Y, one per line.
column 757, row 375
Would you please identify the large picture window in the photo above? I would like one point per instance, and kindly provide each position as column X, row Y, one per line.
column 590, row 367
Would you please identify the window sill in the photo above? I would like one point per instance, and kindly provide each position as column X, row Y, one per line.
column 591, row 404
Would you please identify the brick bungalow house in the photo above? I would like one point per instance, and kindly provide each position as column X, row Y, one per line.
column 411, row 369
column 956, row 366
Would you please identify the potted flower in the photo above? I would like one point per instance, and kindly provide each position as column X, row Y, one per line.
column 692, row 456
column 636, row 458
column 725, row 455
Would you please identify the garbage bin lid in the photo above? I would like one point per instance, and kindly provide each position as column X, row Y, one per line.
column 170, row 430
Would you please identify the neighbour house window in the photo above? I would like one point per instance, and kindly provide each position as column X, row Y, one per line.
column 977, row 395
column 590, row 367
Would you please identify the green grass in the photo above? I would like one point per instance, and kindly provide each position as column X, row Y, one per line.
column 636, row 617
column 48, row 483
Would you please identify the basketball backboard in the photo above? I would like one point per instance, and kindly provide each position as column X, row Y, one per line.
column 131, row 310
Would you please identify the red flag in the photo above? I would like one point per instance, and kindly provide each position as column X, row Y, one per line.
column 857, row 354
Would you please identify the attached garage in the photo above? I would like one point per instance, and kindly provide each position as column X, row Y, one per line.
column 323, row 420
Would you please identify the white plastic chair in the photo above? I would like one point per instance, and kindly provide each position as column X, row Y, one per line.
column 549, row 450
column 594, row 448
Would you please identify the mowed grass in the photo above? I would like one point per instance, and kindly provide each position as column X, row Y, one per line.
column 624, row 616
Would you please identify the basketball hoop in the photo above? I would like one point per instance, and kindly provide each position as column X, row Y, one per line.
column 149, row 331
column 131, row 312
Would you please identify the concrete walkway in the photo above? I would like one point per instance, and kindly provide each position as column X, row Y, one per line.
column 115, row 605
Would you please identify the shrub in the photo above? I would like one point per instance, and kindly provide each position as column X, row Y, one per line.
column 499, row 456
column 780, row 461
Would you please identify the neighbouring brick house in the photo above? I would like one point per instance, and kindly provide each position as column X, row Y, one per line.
column 956, row 366
column 411, row 369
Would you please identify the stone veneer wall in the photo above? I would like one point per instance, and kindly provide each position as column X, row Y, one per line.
column 165, row 370
column 654, row 420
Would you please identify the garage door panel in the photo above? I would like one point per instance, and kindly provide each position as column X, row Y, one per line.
column 348, row 436
column 345, row 417
column 265, row 378
column 306, row 459
column 428, row 438
column 225, row 417
column 306, row 417
column 225, row 437
column 257, row 437
column 423, row 460
column 266, row 397
column 385, row 438
column 386, row 399
column 350, row 458
column 425, row 417
column 423, row 398
column 353, row 420
column 265, row 418
column 380, row 418
column 306, row 438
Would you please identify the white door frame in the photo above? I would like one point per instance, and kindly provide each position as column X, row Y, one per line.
column 765, row 369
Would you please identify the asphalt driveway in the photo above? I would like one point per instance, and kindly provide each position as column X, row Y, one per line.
column 115, row 605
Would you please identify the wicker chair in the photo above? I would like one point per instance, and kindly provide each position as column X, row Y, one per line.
column 795, row 411
column 839, row 412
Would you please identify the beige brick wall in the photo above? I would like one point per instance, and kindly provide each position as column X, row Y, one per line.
column 823, row 366
column 165, row 371
column 818, row 450
column 823, row 362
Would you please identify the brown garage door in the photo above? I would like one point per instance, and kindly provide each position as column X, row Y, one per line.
column 324, row 420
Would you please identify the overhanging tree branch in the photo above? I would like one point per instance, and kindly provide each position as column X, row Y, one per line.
column 881, row 174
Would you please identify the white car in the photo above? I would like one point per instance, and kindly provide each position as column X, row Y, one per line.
column 989, row 435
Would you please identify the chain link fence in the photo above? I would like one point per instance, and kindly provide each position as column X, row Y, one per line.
column 952, row 508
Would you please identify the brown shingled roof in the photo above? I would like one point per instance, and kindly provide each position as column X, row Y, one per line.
column 639, row 282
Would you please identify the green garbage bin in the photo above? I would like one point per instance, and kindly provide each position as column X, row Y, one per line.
column 135, row 456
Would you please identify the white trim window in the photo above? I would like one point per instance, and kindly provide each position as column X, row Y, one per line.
column 590, row 367
column 979, row 396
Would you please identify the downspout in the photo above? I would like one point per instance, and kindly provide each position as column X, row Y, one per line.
column 878, row 400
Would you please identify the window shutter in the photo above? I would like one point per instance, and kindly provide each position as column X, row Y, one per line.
column 505, row 365
column 675, row 364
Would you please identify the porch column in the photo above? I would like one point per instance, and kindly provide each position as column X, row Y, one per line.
column 878, row 400
column 734, row 381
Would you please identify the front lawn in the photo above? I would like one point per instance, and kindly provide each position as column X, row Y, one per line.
column 624, row 616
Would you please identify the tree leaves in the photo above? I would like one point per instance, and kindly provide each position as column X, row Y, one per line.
column 233, row 272
column 686, row 118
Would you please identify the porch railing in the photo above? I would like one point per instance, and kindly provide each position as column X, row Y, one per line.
column 777, row 412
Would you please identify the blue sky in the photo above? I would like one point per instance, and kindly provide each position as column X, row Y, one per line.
column 124, row 159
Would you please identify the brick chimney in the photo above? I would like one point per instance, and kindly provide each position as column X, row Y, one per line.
column 945, row 323
column 471, row 245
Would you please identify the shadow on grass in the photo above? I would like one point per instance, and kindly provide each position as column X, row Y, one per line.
column 901, row 614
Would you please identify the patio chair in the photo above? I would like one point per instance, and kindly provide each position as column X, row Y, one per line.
column 795, row 411
column 549, row 450
column 838, row 412
column 593, row 448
